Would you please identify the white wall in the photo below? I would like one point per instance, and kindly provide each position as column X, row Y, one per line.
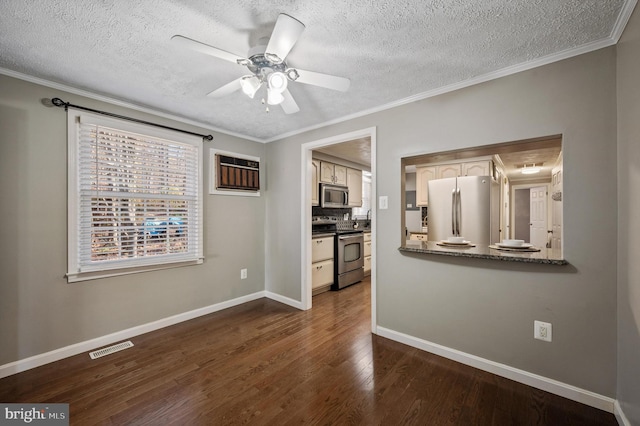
column 481, row 307
column 629, row 225
column 39, row 310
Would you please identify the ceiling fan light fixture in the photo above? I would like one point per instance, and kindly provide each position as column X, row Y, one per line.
column 250, row 85
column 530, row 170
column 277, row 82
column 292, row 74
column 273, row 58
column 274, row 97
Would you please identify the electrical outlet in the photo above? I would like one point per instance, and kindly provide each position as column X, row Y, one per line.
column 542, row 331
column 243, row 274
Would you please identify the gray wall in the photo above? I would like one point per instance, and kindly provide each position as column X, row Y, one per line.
column 629, row 225
column 487, row 308
column 39, row 310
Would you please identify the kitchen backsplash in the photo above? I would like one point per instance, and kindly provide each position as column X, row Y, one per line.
column 319, row 211
column 342, row 223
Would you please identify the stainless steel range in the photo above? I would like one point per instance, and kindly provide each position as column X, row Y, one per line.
column 348, row 249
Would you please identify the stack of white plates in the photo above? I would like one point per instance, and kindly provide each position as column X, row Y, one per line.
column 514, row 244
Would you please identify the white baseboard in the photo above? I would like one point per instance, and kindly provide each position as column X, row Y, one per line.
column 283, row 299
column 89, row 345
column 620, row 417
column 549, row 385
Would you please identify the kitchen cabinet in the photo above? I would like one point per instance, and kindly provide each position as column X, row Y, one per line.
column 333, row 173
column 470, row 168
column 322, row 252
column 448, row 171
column 367, row 253
column 418, row 237
column 425, row 173
column 322, row 249
column 423, row 176
column 367, row 265
column 354, row 182
column 321, row 276
column 315, row 194
column 477, row 168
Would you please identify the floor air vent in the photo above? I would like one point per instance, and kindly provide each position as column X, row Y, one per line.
column 111, row 349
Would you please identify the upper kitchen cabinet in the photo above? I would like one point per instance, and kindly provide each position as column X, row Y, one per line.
column 448, row 170
column 354, row 182
column 333, row 173
column 426, row 173
column 477, row 168
column 315, row 195
column 423, row 176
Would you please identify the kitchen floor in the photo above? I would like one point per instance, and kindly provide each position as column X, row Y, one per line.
column 265, row 363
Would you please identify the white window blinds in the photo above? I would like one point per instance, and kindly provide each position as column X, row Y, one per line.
column 138, row 196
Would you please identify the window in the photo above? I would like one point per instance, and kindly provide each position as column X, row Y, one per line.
column 135, row 200
column 365, row 210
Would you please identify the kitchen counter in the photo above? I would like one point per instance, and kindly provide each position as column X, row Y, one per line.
column 322, row 234
column 544, row 256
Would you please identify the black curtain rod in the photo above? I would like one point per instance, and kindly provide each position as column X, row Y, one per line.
column 60, row 103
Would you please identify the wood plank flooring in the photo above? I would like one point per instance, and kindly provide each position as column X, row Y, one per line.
column 264, row 363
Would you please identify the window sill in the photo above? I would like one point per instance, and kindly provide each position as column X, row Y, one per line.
column 73, row 277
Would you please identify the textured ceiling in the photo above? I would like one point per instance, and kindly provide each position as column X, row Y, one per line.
column 391, row 50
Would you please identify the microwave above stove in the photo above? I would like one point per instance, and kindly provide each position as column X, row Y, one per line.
column 334, row 196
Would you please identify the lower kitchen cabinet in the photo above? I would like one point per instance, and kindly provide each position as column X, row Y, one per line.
column 321, row 275
column 321, row 249
column 322, row 252
column 367, row 253
column 418, row 237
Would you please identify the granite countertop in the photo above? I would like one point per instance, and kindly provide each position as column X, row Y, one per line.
column 323, row 234
column 544, row 256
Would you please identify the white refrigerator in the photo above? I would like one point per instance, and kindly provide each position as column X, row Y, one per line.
column 466, row 206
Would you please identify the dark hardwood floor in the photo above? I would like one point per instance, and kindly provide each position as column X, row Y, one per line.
column 267, row 363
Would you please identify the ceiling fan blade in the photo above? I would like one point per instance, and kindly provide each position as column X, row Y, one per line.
column 323, row 80
column 205, row 48
column 226, row 89
column 289, row 105
column 284, row 36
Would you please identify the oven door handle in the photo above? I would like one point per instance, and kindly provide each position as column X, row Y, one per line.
column 346, row 237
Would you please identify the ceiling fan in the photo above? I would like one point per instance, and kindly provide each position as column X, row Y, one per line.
column 268, row 68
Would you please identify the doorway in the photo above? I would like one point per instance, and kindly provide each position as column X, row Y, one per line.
column 531, row 214
column 305, row 250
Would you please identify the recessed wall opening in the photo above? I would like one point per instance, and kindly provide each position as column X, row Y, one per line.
column 525, row 195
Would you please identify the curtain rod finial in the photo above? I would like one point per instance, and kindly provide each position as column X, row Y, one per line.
column 47, row 102
column 59, row 102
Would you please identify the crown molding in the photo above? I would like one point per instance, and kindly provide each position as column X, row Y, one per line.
column 612, row 39
column 514, row 69
column 118, row 102
column 623, row 19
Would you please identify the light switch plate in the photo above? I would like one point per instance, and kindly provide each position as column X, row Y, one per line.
column 383, row 202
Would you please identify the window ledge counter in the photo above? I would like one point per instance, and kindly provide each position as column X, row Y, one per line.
column 544, row 256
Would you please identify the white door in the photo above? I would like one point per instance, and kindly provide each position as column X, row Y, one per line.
column 538, row 216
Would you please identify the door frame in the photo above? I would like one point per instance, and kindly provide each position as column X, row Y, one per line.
column 305, row 231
